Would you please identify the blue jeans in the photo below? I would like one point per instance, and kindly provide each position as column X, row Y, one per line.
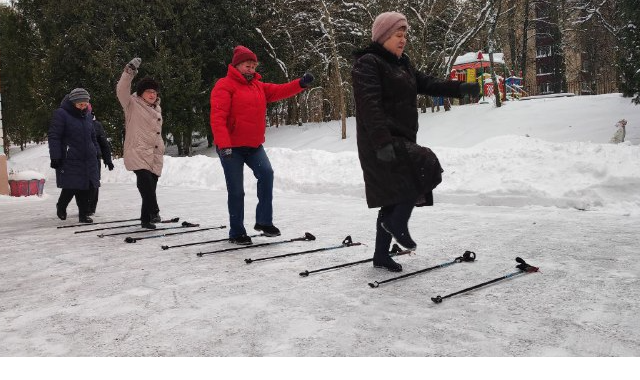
column 256, row 159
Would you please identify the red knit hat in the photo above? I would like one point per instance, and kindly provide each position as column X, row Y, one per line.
column 241, row 54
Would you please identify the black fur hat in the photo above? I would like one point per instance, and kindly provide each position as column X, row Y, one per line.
column 146, row 84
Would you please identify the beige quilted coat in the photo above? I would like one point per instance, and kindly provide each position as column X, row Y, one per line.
column 143, row 145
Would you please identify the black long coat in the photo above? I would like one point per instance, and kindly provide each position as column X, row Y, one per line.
column 385, row 89
column 72, row 138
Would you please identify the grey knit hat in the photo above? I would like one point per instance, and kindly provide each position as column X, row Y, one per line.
column 78, row 95
column 386, row 24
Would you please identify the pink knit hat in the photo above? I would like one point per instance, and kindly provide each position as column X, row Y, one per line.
column 386, row 24
column 241, row 54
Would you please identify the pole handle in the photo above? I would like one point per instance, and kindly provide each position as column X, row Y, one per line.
column 305, row 273
column 523, row 266
column 129, row 239
column 248, row 261
column 374, row 284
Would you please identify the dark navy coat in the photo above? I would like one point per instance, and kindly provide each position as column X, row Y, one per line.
column 385, row 89
column 72, row 138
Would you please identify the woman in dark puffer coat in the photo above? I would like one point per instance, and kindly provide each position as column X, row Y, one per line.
column 398, row 173
column 73, row 150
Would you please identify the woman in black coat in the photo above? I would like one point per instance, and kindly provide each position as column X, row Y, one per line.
column 73, row 150
column 398, row 173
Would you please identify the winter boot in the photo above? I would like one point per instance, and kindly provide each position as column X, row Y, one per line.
column 383, row 260
column 148, row 225
column 401, row 235
column 61, row 212
column 155, row 218
column 241, row 240
column 269, row 231
column 85, row 219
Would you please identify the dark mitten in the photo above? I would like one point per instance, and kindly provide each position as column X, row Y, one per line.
column 471, row 89
column 386, row 153
column 306, row 80
column 56, row 163
column 108, row 165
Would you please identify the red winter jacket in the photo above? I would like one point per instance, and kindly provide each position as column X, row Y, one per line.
column 239, row 107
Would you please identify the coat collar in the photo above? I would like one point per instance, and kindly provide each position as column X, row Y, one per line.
column 379, row 50
column 234, row 74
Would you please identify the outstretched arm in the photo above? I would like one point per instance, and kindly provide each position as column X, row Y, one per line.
column 274, row 92
column 428, row 85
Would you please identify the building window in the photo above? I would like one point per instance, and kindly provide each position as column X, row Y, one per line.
column 545, row 88
column 543, row 51
column 543, row 70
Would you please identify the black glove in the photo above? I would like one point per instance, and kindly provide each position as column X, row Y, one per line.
column 386, row 153
column 225, row 153
column 108, row 165
column 471, row 89
column 56, row 163
column 306, row 80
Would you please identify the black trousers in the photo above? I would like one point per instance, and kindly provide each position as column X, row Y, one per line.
column 147, row 183
column 398, row 215
column 93, row 195
column 82, row 200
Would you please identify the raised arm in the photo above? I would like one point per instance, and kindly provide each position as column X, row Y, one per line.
column 123, row 88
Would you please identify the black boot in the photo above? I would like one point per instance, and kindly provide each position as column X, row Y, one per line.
column 85, row 219
column 155, row 218
column 148, row 225
column 61, row 212
column 396, row 223
column 383, row 260
column 241, row 240
column 269, row 231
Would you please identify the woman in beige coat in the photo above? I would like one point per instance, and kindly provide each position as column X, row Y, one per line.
column 143, row 145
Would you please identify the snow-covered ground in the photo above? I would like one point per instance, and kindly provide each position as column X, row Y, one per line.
column 535, row 179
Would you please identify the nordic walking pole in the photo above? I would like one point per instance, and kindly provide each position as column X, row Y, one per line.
column 396, row 251
column 165, row 247
column 347, row 242
column 307, row 237
column 130, row 239
column 90, row 224
column 174, row 220
column 523, row 269
column 467, row 257
column 184, row 225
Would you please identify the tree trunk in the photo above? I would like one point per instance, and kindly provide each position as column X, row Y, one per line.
column 337, row 78
column 525, row 37
column 492, row 43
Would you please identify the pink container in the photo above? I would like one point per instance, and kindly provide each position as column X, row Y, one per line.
column 25, row 188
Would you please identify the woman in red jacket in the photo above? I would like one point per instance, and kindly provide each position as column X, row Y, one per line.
column 238, row 113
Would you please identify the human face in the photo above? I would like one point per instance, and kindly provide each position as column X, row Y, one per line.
column 81, row 105
column 150, row 95
column 396, row 43
column 247, row 67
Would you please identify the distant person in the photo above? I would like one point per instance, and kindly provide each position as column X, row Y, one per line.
column 619, row 136
column 398, row 173
column 143, row 145
column 238, row 113
column 104, row 153
column 73, row 149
